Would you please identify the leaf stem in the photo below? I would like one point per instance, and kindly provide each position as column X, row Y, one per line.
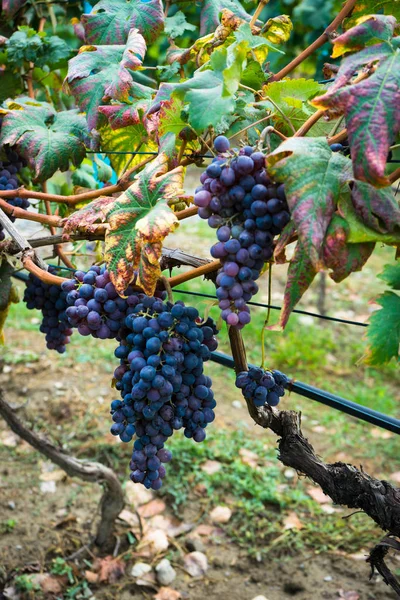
column 193, row 273
column 320, row 41
column 395, row 175
column 258, row 11
column 309, row 123
column 252, row 125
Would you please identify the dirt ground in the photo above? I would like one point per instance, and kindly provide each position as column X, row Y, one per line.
column 45, row 514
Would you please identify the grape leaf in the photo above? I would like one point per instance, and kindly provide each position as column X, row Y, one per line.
column 278, row 29
column 212, row 9
column 314, row 177
column 360, row 231
column 391, row 274
column 100, row 73
column 301, row 274
column 383, row 333
column 368, row 28
column 139, row 220
column 126, row 140
column 177, row 25
column 123, row 115
column 370, row 108
column 170, row 124
column 11, row 7
column 289, row 100
column 203, row 91
column 10, row 84
column 47, row 140
column 372, row 7
column 377, row 208
column 340, row 256
column 110, row 21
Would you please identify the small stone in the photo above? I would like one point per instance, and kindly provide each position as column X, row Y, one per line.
column 165, row 573
column 11, row 505
column 194, row 544
column 237, row 404
column 260, row 598
column 220, row 514
column 196, row 564
column 289, row 474
column 139, row 569
column 48, row 487
column 328, row 578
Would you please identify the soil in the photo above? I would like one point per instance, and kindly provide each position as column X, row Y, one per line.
column 48, row 393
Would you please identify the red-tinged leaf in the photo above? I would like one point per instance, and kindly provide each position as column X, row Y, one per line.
column 110, row 21
column 101, row 73
column 123, row 115
column 340, row 256
column 167, row 593
column 377, row 208
column 368, row 28
column 109, row 569
column 359, row 231
column 314, row 177
column 47, row 140
column 139, row 220
column 284, row 239
column 383, row 333
column 211, row 13
column 79, row 30
column 85, row 218
column 170, row 124
column 301, row 274
column 370, row 107
column 11, row 7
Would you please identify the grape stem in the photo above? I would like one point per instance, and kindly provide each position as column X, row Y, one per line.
column 258, row 11
column 57, row 247
column 395, row 175
column 320, row 41
column 112, row 501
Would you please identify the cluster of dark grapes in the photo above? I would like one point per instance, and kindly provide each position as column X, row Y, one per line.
column 52, row 301
column 9, row 181
column 262, row 387
column 94, row 306
column 161, row 381
column 239, row 200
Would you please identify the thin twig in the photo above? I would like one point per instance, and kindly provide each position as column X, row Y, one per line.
column 323, row 38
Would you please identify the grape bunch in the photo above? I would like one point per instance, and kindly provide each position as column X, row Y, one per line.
column 9, row 181
column 237, row 198
column 94, row 306
column 161, row 381
column 52, row 301
column 262, row 387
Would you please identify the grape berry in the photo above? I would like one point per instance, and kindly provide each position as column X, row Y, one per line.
column 9, row 181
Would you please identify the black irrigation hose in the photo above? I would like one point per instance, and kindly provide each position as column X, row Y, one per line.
column 346, row 406
column 301, row 312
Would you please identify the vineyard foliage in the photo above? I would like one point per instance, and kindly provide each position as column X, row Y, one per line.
column 90, row 93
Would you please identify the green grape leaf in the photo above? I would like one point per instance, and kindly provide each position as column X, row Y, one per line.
column 360, row 231
column 391, row 274
column 26, row 45
column 104, row 171
column 47, row 140
column 368, row 28
column 315, row 13
column 101, row 73
column 301, row 274
column 10, row 84
column 170, row 124
column 340, row 256
column 125, row 140
column 177, row 25
column 370, row 108
column 203, row 91
column 139, row 220
column 314, row 178
column 11, row 7
column 383, row 333
column 376, row 207
column 212, row 9
column 110, row 21
column 289, row 100
column 84, row 177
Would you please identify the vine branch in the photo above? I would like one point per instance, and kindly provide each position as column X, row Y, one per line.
column 112, row 501
column 344, row 483
column 320, row 41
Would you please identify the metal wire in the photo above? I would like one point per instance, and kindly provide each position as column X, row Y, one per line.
column 337, row 402
column 301, row 312
column 193, row 155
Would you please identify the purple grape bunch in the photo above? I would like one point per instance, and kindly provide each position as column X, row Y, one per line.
column 237, row 198
column 262, row 387
column 52, row 301
column 9, row 169
column 162, row 383
column 95, row 307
